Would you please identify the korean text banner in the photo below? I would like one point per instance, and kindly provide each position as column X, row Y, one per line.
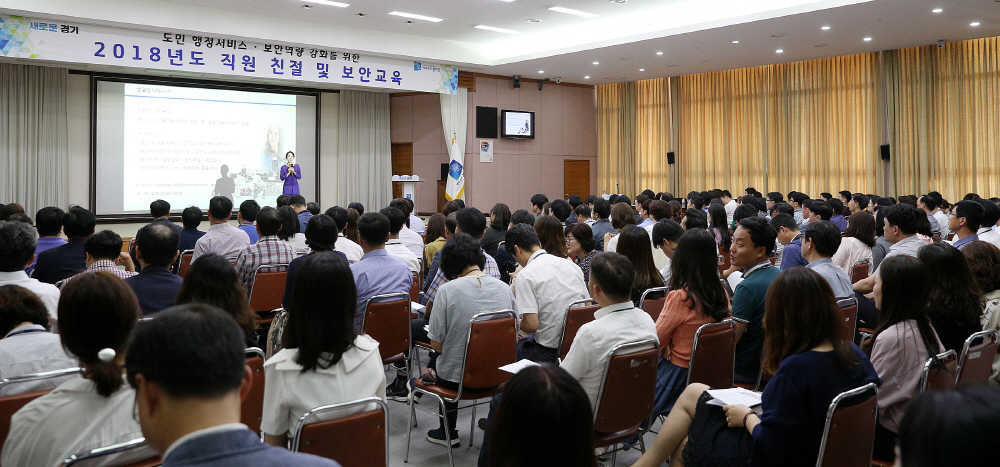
column 33, row 38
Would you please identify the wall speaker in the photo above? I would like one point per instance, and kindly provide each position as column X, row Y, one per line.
column 884, row 151
column 517, row 81
column 671, row 157
column 486, row 122
column 444, row 171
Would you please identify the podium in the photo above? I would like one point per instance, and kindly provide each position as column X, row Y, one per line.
column 409, row 185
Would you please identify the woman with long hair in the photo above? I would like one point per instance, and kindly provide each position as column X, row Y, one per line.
column 634, row 243
column 956, row 302
column 213, row 280
column 550, row 233
column 582, row 247
column 621, row 216
column 497, row 230
column 436, row 236
column 984, row 262
column 857, row 243
column 719, row 226
column 351, row 231
column 812, row 362
column 323, row 360
column 290, row 231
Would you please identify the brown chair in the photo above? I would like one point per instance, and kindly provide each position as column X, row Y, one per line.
column 713, row 355
column 252, row 410
column 341, row 438
column 849, row 310
column 135, row 452
column 575, row 317
column 268, row 288
column 627, row 393
column 940, row 372
column 724, row 259
column 849, row 432
column 415, row 289
column 185, row 262
column 491, row 344
column 729, row 289
column 860, row 270
column 976, row 361
column 387, row 320
column 936, row 239
column 653, row 306
column 11, row 404
column 126, row 244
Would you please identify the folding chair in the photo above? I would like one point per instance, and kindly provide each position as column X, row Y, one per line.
column 185, row 263
column 358, row 440
column 491, row 344
column 724, row 259
column 936, row 239
column 266, row 293
column 849, row 432
column 11, row 404
column 387, row 320
column 860, row 270
column 713, row 355
column 653, row 306
column 415, row 289
column 729, row 289
column 849, row 310
column 940, row 372
column 252, row 409
column 976, row 361
column 134, row 453
column 626, row 395
column 575, row 317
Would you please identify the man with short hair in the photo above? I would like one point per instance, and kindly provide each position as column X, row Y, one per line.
column 560, row 209
column 298, row 203
column 927, row 205
column 940, row 216
column 645, row 221
column 357, row 207
column 965, row 220
column 48, row 222
column 63, row 261
column 377, row 273
column 189, row 235
column 991, row 215
column 696, row 202
column 602, row 225
column 752, row 244
column 694, row 219
column 730, row 204
column 858, row 202
column 838, row 218
column 820, row 211
column 104, row 253
column 394, row 246
column 575, row 201
column 796, row 199
column 582, row 213
column 819, row 243
column 788, row 235
column 282, row 201
column 160, row 211
column 269, row 249
column 221, row 238
column 407, row 236
column 246, row 217
column 901, row 224
column 17, row 250
column 344, row 245
column 190, row 413
column 416, row 223
column 773, row 198
column 538, row 201
column 155, row 286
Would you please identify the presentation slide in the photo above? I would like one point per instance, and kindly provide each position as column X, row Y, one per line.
column 188, row 144
column 518, row 123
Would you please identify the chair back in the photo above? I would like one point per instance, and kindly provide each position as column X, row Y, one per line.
column 936, row 239
column 628, row 388
column 359, row 440
column 415, row 289
column 976, row 362
column 185, row 262
column 653, row 306
column 11, row 404
column 860, row 270
column 849, row 433
column 268, row 287
column 940, row 372
column 134, row 453
column 387, row 320
column 576, row 316
column 724, row 259
column 713, row 355
column 491, row 344
column 729, row 289
column 252, row 410
column 849, row 311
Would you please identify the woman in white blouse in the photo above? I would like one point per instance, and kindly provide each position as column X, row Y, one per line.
column 289, row 232
column 97, row 312
column 859, row 238
column 322, row 361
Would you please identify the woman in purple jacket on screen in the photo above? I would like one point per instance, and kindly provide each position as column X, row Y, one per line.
column 290, row 173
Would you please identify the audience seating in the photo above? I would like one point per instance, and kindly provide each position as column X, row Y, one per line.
column 940, row 372
column 976, row 361
column 387, row 320
column 626, row 395
column 185, row 263
column 491, row 344
column 267, row 291
column 575, row 317
column 415, row 289
column 860, row 270
column 724, row 259
column 849, row 308
column 126, row 243
column 252, row 410
column 653, row 306
column 729, row 290
column 358, row 440
column 849, row 432
column 134, row 453
column 713, row 355
column 936, row 239
column 11, row 404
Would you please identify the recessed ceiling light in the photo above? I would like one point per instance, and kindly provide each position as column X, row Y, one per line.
column 570, row 11
column 671, row 66
column 329, row 3
column 541, row 71
column 974, row 24
column 825, row 28
column 821, row 45
column 780, row 34
column 642, row 69
column 307, row 6
column 597, row 63
column 533, row 20
column 586, row 77
column 618, row 1
column 415, row 16
column 491, row 28
column 361, row 14
column 867, row 39
column 937, row 10
column 626, row 58
column 736, row 42
column 659, row 53
column 779, row 51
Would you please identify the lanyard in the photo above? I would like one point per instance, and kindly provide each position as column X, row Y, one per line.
column 26, row 331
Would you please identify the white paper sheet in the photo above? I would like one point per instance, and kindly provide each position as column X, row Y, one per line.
column 734, row 396
column 518, row 366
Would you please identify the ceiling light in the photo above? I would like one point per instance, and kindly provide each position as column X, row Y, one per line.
column 736, row 42
column 307, row 6
column 570, row 11
column 937, row 10
column 532, row 20
column 329, row 3
column 642, row 69
column 508, row 1
column 780, row 34
column 597, row 63
column 659, row 53
column 411, row 15
column 974, row 24
column 491, row 28
column 867, row 39
column 541, row 71
column 586, row 77
column 825, row 28
column 618, row 1
column 779, row 51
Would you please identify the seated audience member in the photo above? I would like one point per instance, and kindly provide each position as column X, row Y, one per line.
column 820, row 211
column 927, row 204
column 582, row 247
column 395, row 246
column 360, row 208
column 468, row 291
column 838, row 214
column 58, row 263
column 221, row 238
column 321, row 235
column 313, row 208
column 857, row 243
column 190, row 414
column 645, row 221
column 773, row 198
column 407, row 236
column 437, row 235
column 812, row 364
column 665, row 235
column 290, row 232
column 189, row 235
column 789, row 236
column 545, row 287
column 281, row 201
column 246, row 218
column 984, row 263
column 505, row 262
column 298, row 204
column 551, row 234
column 560, row 209
column 986, row 232
column 444, row 231
column 819, row 242
column 269, row 249
column 634, row 244
column 323, row 359
column 104, row 253
column 469, row 221
column 955, row 305
column 345, row 245
column 538, row 201
column 27, row 346
column 583, row 215
column 574, row 202
column 17, row 249
column 950, row 429
column 97, row 313
column 796, row 199
column 416, row 223
column 602, row 224
column 377, row 273
column 904, row 339
column 752, row 244
column 720, row 226
column 48, row 222
column 882, row 246
column 156, row 286
column 159, row 210
column 694, row 219
column 10, row 209
column 494, row 234
column 900, row 230
column 212, row 280
column 454, row 206
column 621, row 215
column 965, row 219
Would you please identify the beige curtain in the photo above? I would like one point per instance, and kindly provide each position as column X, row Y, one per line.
column 364, row 156
column 633, row 136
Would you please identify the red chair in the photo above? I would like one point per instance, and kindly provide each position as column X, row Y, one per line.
column 575, row 317
column 724, row 259
column 849, row 432
column 134, row 453
column 185, row 263
column 940, row 372
column 849, row 309
column 713, row 355
column 252, row 409
column 861, row 270
column 415, row 289
column 976, row 361
column 340, row 438
column 387, row 320
column 268, row 287
column 936, row 239
column 627, row 393
column 653, row 306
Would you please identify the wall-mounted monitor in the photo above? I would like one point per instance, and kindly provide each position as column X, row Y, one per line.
column 517, row 124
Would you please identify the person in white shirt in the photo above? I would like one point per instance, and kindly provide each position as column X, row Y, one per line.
column 17, row 251
column 97, row 313
column 290, row 232
column 394, row 246
column 730, row 205
column 27, row 346
column 408, row 236
column 543, row 290
column 991, row 215
column 221, row 238
column 352, row 250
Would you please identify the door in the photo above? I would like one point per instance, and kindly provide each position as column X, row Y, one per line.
column 576, row 178
column 402, row 164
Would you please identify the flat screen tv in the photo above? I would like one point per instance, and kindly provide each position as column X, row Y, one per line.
column 517, row 124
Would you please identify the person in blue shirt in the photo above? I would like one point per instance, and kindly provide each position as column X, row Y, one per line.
column 291, row 173
column 189, row 235
column 246, row 217
column 48, row 221
column 377, row 273
column 788, row 235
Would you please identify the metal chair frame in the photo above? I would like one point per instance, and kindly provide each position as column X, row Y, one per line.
column 38, row 376
column 988, row 334
column 180, row 260
column 943, row 357
column 861, row 261
column 252, row 352
column 624, row 349
column 833, row 408
column 847, row 303
column 562, row 335
column 305, row 418
column 642, row 299
column 388, row 297
column 258, row 271
column 697, row 335
column 126, row 446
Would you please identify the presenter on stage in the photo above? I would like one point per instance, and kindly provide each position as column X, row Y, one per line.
column 290, row 173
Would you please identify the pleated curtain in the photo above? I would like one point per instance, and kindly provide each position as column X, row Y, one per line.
column 364, row 151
